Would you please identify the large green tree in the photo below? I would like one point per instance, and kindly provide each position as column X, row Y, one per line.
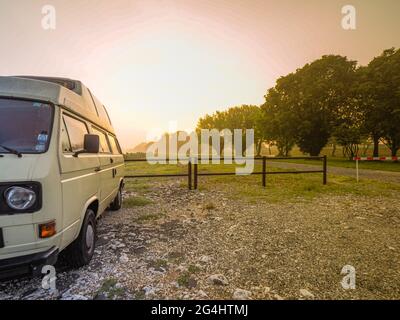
column 322, row 91
column 278, row 118
column 303, row 106
column 379, row 89
column 239, row 117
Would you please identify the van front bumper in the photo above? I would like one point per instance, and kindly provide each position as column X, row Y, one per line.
column 29, row 264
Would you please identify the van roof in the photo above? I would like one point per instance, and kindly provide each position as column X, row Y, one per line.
column 72, row 94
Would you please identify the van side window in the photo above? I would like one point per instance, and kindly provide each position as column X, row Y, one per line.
column 104, row 146
column 65, row 144
column 114, row 145
column 76, row 130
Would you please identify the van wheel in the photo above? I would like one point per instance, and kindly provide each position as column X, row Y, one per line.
column 80, row 252
column 117, row 202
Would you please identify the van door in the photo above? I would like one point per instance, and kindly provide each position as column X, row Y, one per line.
column 118, row 157
column 106, row 169
column 79, row 175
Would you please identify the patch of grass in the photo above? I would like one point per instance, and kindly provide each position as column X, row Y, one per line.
column 160, row 263
column 137, row 186
column 136, row 202
column 109, row 288
column 149, row 217
column 183, row 279
column 284, row 188
column 140, row 295
column 346, row 163
column 209, row 206
column 193, row 269
column 176, row 257
column 186, row 280
column 142, row 168
column 279, row 187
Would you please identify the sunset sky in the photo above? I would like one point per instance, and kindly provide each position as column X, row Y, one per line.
column 153, row 61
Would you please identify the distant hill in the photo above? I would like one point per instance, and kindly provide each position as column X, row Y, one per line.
column 140, row 148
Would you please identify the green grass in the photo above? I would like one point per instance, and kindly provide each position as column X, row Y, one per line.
column 109, row 287
column 183, row 279
column 345, row 163
column 340, row 161
column 149, row 217
column 160, row 263
column 136, row 201
column 279, row 187
column 287, row 188
column 186, row 280
column 137, row 185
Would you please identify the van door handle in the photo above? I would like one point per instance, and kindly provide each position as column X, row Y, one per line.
column 111, row 160
column 97, row 169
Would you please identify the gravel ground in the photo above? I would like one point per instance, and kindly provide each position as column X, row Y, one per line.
column 387, row 176
column 204, row 245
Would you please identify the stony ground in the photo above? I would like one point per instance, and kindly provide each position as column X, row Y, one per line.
column 205, row 245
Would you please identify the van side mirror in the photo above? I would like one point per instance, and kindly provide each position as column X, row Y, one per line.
column 91, row 144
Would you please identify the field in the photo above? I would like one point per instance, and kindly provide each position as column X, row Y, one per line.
column 339, row 161
column 235, row 239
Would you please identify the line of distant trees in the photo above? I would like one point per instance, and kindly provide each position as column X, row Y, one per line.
column 331, row 100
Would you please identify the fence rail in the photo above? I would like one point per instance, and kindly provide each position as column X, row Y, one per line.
column 193, row 173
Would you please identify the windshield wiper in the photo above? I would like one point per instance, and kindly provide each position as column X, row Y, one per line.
column 13, row 151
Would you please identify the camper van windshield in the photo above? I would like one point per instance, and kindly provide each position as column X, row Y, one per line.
column 24, row 126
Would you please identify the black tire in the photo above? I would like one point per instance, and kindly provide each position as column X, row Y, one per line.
column 81, row 251
column 117, row 202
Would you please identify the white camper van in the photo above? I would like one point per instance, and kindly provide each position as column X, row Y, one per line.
column 61, row 166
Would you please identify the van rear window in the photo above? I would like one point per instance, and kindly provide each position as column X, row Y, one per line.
column 25, row 126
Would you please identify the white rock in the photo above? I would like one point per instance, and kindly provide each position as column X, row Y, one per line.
column 241, row 294
column 182, row 268
column 218, row 279
column 278, row 297
column 123, row 258
column 202, row 294
column 149, row 291
column 306, row 294
column 205, row 259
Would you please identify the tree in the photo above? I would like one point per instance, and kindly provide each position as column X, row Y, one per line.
column 322, row 93
column 277, row 119
column 303, row 106
column 240, row 117
column 379, row 89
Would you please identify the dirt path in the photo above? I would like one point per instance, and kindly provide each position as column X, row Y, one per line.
column 386, row 176
column 197, row 245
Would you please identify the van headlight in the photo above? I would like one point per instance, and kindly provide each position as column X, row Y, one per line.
column 20, row 198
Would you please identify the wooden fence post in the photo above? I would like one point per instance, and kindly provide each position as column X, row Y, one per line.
column 195, row 175
column 190, row 174
column 264, row 172
column 325, row 175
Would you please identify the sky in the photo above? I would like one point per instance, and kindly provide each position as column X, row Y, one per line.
column 157, row 62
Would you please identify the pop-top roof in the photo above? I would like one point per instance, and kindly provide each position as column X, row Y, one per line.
column 69, row 93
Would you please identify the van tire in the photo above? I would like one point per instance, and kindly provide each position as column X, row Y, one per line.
column 81, row 251
column 117, row 202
